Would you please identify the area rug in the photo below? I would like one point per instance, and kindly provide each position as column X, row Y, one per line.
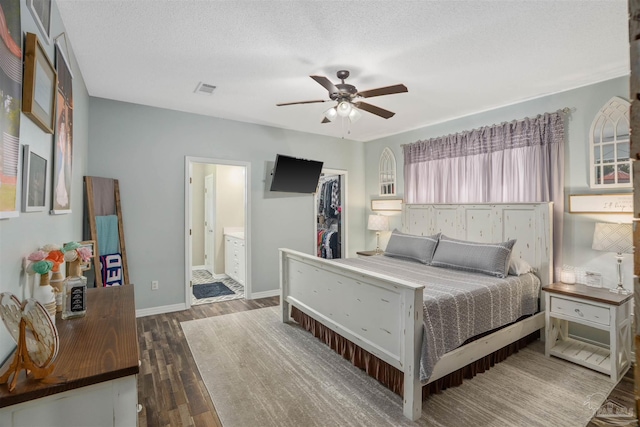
column 260, row 371
column 209, row 290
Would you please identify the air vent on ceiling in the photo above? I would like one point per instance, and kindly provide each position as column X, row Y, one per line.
column 204, row 89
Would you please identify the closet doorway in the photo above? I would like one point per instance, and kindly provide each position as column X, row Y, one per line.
column 330, row 215
column 217, row 234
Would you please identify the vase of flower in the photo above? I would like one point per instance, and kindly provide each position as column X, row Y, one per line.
column 75, row 285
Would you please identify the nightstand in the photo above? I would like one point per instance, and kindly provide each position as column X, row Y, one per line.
column 594, row 307
column 362, row 254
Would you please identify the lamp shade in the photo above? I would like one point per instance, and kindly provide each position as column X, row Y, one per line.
column 331, row 113
column 354, row 115
column 378, row 223
column 344, row 108
column 609, row 237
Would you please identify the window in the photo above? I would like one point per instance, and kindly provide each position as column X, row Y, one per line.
column 610, row 145
column 387, row 173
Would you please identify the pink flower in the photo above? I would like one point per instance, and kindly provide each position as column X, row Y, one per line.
column 85, row 253
column 37, row 256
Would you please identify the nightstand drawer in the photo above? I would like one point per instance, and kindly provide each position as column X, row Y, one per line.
column 579, row 310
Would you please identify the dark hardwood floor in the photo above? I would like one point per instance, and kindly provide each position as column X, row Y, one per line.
column 170, row 388
column 169, row 384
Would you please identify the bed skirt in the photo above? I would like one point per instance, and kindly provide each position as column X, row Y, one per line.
column 393, row 378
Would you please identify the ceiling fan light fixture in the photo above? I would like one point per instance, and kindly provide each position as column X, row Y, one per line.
column 354, row 115
column 331, row 113
column 344, row 108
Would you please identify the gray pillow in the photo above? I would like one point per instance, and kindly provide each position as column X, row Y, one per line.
column 408, row 246
column 486, row 258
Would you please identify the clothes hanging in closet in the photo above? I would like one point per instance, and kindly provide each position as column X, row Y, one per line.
column 329, row 199
column 328, row 244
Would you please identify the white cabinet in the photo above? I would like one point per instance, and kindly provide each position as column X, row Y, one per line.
column 94, row 380
column 594, row 307
column 109, row 403
column 234, row 258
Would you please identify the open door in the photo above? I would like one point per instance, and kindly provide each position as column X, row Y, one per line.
column 209, row 223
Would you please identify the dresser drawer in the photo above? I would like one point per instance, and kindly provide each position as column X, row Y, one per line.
column 580, row 310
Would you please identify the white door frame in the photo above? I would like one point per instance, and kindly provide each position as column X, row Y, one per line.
column 344, row 216
column 189, row 161
column 209, row 228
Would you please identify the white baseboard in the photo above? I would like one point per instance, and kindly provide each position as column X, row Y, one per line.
column 200, row 267
column 160, row 310
column 220, row 276
column 265, row 294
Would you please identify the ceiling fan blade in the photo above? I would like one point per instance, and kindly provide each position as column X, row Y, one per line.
column 386, row 114
column 388, row 90
column 302, row 102
column 326, row 83
column 325, row 120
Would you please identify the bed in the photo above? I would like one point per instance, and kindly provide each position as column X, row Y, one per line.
column 384, row 315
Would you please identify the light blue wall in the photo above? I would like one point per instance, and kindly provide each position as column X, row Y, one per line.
column 24, row 234
column 145, row 149
column 578, row 228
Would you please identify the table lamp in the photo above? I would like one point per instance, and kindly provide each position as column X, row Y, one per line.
column 616, row 238
column 378, row 223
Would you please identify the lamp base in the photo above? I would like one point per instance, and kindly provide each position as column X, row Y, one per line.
column 620, row 290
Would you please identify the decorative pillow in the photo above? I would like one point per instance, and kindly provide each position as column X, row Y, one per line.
column 486, row 258
column 111, row 270
column 418, row 248
column 518, row 267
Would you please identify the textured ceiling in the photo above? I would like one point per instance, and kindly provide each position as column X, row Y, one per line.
column 455, row 57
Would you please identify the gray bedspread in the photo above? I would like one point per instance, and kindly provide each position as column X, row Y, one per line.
column 457, row 305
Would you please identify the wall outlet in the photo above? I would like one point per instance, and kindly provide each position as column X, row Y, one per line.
column 154, row 285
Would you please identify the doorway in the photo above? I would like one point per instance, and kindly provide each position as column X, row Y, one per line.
column 217, row 233
column 330, row 215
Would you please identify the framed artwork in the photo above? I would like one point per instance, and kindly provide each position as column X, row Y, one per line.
column 34, row 181
column 601, row 203
column 11, row 93
column 41, row 12
column 40, row 82
column 63, row 139
column 386, row 205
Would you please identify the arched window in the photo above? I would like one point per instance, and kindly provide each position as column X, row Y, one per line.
column 387, row 173
column 610, row 146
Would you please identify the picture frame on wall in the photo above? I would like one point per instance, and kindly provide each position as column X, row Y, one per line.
column 41, row 12
column 11, row 96
column 63, row 138
column 601, row 203
column 34, row 181
column 39, row 86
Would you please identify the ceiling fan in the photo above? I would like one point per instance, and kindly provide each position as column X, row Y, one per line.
column 348, row 98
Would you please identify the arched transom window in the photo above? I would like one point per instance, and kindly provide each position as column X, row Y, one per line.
column 387, row 173
column 610, row 146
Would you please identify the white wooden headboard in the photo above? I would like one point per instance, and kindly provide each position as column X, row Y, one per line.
column 529, row 223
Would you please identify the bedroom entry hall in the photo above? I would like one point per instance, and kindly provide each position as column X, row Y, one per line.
column 217, row 195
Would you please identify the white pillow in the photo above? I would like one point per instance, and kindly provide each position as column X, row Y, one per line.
column 518, row 266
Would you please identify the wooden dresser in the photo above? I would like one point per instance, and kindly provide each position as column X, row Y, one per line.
column 94, row 382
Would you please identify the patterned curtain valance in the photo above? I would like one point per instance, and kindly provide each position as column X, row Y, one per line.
column 547, row 128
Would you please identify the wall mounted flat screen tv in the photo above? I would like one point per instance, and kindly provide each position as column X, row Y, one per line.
column 295, row 175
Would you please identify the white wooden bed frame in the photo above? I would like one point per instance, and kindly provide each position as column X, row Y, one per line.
column 383, row 315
